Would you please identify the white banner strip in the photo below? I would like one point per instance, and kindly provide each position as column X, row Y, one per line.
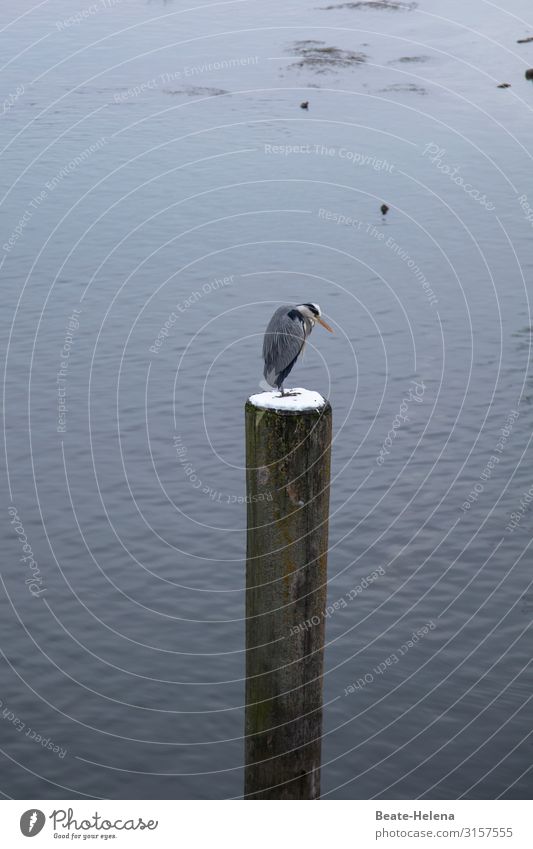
column 198, row 824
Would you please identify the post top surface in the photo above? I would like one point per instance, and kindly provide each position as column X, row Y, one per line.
column 304, row 401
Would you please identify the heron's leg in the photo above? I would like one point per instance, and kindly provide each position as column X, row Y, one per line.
column 286, row 393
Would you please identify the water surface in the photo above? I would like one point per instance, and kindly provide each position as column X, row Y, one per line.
column 162, row 193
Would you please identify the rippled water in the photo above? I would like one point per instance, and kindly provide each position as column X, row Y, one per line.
column 156, row 163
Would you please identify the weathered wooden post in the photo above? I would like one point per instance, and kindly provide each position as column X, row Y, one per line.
column 288, row 450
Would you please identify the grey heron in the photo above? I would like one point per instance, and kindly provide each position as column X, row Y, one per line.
column 285, row 338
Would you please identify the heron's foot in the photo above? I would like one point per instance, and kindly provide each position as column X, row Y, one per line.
column 288, row 393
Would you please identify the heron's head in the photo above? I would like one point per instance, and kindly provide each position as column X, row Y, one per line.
column 314, row 314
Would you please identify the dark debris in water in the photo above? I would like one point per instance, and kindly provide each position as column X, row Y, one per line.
column 317, row 57
column 389, row 5
column 410, row 87
column 525, row 40
column 197, row 91
column 410, row 60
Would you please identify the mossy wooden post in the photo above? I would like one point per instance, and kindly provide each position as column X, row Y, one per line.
column 288, row 479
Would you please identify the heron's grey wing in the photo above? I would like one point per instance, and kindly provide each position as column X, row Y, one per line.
column 284, row 339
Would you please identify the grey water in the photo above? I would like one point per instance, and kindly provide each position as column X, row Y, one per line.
column 162, row 193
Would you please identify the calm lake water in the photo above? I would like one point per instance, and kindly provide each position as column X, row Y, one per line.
column 162, row 193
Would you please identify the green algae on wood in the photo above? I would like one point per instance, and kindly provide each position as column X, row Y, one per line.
column 288, row 479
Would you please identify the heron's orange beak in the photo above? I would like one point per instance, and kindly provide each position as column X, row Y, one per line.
column 323, row 323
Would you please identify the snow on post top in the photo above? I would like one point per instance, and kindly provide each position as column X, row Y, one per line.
column 304, row 401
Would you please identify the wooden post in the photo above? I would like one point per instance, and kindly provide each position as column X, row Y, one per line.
column 288, row 478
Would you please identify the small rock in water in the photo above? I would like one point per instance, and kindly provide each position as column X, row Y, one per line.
column 525, row 40
column 504, row 85
column 384, row 208
column 304, row 105
column 529, row 74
